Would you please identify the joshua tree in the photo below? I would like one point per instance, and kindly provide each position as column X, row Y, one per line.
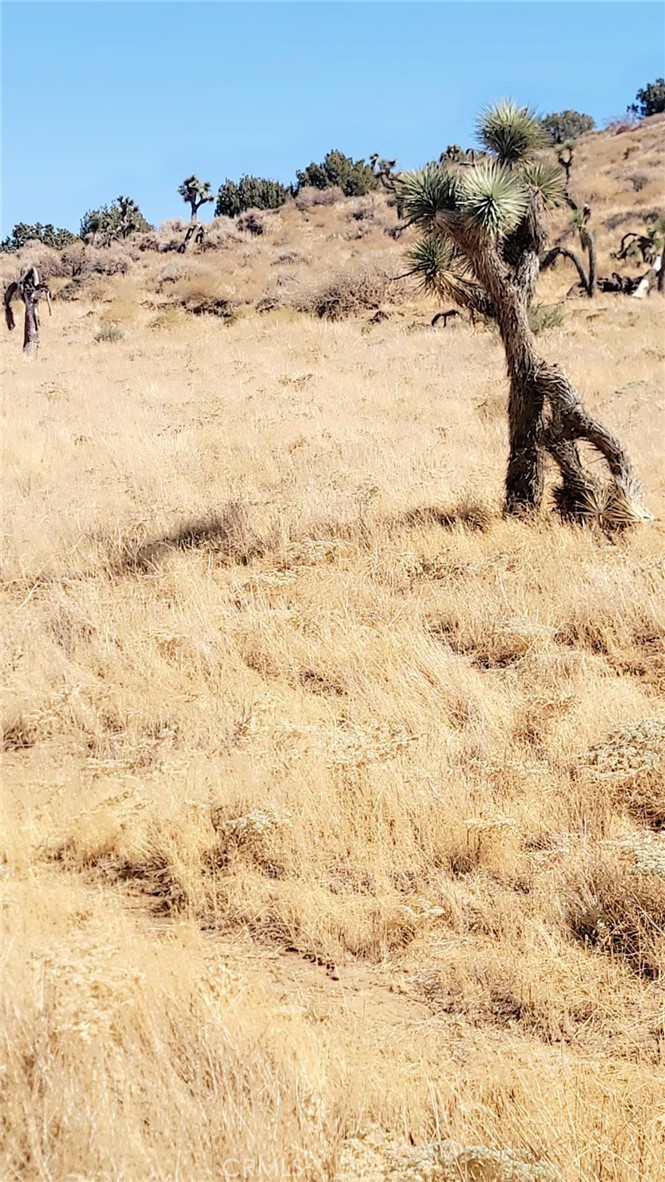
column 483, row 237
column 195, row 193
column 383, row 170
column 29, row 289
column 580, row 220
column 647, row 245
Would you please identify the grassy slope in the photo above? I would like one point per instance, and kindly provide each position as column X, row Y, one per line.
column 300, row 837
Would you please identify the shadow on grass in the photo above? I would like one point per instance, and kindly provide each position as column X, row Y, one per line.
column 228, row 534
column 470, row 515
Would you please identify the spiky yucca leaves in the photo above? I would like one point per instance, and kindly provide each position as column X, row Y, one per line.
column 435, row 263
column 427, row 192
column 546, row 180
column 492, row 199
column 609, row 506
column 441, row 270
column 511, row 133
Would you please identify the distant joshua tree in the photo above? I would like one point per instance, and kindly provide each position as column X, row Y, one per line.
column 580, row 220
column 384, row 171
column 195, row 193
column 483, row 235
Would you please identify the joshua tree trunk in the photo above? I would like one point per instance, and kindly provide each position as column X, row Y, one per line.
column 30, row 290
column 661, row 274
column 588, row 243
column 535, row 385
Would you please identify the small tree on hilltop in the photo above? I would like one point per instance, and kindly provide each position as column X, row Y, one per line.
column 195, row 193
column 483, row 234
column 566, row 125
column 354, row 177
column 650, row 100
column 250, row 192
column 48, row 235
column 111, row 222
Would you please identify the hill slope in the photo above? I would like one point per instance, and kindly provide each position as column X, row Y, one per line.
column 333, row 801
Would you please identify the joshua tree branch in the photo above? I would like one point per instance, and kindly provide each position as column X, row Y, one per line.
column 553, row 254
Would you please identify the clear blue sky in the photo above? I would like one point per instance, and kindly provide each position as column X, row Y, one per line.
column 107, row 98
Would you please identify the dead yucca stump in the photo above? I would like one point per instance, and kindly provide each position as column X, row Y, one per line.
column 630, row 765
column 30, row 290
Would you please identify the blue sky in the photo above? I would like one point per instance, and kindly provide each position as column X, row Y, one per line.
column 107, row 98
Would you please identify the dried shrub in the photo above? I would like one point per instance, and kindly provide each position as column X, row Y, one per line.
column 629, row 766
column 621, row 912
column 112, row 260
column 44, row 258
column 348, row 293
column 220, row 235
column 308, row 197
column 249, row 223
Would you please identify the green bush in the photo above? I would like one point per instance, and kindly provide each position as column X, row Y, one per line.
column 353, row 177
column 560, row 126
column 113, row 222
column 250, row 192
column 544, row 316
column 650, row 100
column 24, row 232
column 110, row 333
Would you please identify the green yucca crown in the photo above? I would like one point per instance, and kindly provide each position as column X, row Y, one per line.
column 429, row 191
column 510, row 132
column 493, row 198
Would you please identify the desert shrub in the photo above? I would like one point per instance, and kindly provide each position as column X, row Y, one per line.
column 638, row 181
column 347, row 293
column 220, row 235
column 44, row 258
column 544, row 316
column 566, row 125
column 620, row 911
column 650, row 100
column 200, row 293
column 109, row 223
column 111, row 261
column 250, row 192
column 109, row 334
column 353, row 177
column 48, row 235
column 308, row 196
column 150, row 241
column 363, row 209
column 616, row 125
column 250, row 224
column 175, row 270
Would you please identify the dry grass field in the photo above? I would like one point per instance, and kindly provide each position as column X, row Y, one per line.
column 333, row 802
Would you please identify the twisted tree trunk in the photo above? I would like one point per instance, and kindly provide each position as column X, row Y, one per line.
column 537, row 386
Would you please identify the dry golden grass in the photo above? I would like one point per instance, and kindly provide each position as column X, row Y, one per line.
column 332, row 800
